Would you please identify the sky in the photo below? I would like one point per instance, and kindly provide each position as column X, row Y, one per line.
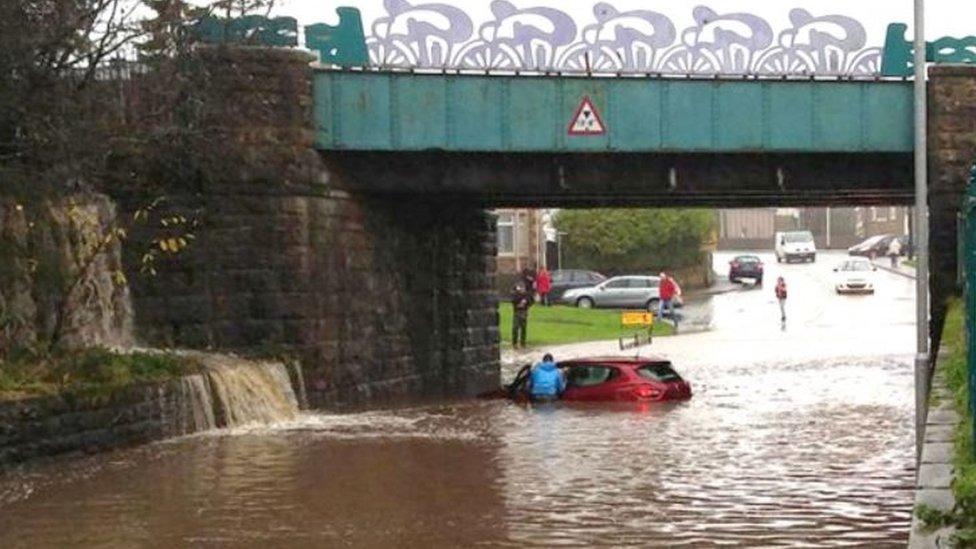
column 943, row 17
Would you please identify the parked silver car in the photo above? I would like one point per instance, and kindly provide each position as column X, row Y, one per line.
column 626, row 292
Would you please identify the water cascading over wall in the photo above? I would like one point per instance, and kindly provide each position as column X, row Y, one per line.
column 227, row 392
column 230, row 393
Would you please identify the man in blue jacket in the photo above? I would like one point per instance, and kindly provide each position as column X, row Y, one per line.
column 546, row 383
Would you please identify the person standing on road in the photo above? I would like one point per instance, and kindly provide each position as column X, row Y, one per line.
column 668, row 289
column 894, row 250
column 543, row 285
column 546, row 382
column 521, row 301
column 781, row 297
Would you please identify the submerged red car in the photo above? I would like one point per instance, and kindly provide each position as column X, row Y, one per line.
column 613, row 379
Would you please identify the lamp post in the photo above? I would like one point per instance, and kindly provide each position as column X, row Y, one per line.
column 921, row 227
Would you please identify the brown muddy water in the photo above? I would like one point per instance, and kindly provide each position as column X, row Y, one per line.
column 811, row 448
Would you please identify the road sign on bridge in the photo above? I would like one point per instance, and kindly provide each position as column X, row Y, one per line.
column 587, row 120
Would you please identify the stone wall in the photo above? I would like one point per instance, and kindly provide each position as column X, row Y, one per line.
column 51, row 263
column 952, row 151
column 47, row 426
column 381, row 296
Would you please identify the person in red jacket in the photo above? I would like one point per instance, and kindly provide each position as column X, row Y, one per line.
column 668, row 290
column 781, row 297
column 543, row 285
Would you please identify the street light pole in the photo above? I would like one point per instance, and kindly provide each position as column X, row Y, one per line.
column 921, row 230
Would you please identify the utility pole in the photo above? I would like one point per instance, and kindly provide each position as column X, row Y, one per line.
column 921, row 231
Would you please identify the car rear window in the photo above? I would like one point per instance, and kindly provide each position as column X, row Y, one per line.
column 589, row 375
column 856, row 266
column 747, row 259
column 796, row 237
column 658, row 371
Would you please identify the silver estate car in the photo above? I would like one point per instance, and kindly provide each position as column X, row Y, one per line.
column 626, row 292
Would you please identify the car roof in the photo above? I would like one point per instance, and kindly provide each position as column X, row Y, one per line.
column 634, row 276
column 750, row 256
column 618, row 360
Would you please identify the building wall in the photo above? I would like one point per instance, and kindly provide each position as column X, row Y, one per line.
column 754, row 229
column 525, row 238
column 875, row 220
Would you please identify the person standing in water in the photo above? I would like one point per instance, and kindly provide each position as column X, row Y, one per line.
column 781, row 297
column 546, row 382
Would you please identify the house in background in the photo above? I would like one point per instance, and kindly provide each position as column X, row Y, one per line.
column 523, row 239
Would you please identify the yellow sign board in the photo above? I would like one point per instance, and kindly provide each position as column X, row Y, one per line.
column 636, row 318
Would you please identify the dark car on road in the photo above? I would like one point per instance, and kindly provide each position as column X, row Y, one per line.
column 746, row 266
column 877, row 246
column 568, row 279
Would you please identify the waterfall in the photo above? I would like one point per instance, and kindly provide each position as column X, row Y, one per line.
column 300, row 384
column 198, row 410
column 250, row 392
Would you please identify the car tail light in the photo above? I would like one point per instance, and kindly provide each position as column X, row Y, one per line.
column 647, row 392
column 735, row 264
column 760, row 266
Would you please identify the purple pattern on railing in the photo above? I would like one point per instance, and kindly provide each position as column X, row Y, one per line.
column 543, row 39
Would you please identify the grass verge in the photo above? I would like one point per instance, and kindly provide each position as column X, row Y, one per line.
column 560, row 324
column 954, row 367
column 94, row 371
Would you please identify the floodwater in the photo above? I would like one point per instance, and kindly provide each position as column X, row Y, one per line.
column 798, row 435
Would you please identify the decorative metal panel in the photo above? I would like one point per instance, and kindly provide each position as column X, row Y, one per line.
column 544, row 39
column 250, row 29
column 899, row 51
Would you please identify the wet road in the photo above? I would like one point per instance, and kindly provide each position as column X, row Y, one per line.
column 797, row 436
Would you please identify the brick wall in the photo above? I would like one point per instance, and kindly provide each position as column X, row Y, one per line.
column 952, row 150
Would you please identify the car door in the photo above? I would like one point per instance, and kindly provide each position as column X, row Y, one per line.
column 612, row 293
column 641, row 291
column 590, row 382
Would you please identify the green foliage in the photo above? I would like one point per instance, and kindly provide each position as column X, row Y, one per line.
column 94, row 371
column 954, row 368
column 634, row 240
column 559, row 324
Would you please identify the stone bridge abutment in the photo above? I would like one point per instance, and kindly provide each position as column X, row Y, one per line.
column 381, row 297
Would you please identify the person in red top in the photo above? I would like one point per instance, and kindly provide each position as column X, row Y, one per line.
column 781, row 297
column 668, row 290
column 543, row 285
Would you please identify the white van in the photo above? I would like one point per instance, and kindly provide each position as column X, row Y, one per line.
column 792, row 245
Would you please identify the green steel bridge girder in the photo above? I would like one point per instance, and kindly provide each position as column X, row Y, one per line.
column 389, row 111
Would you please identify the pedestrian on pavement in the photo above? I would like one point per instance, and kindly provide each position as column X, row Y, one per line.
column 781, row 297
column 521, row 301
column 546, row 382
column 894, row 250
column 543, row 285
column 668, row 291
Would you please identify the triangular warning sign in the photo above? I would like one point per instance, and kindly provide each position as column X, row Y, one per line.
column 587, row 120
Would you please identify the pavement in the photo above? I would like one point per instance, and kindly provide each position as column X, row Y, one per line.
column 901, row 269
